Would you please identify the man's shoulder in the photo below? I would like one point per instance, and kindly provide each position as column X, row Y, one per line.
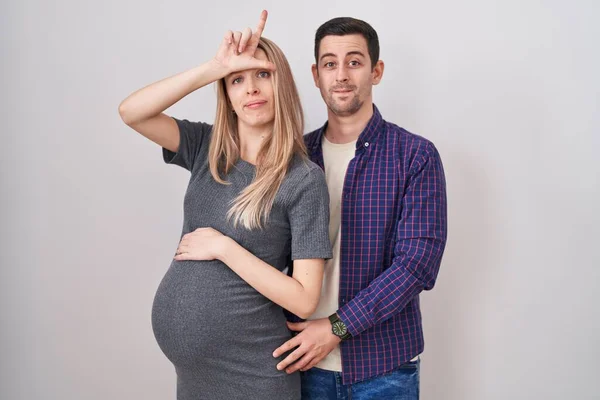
column 409, row 143
column 311, row 137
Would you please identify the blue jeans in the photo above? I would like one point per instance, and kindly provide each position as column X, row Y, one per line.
column 399, row 384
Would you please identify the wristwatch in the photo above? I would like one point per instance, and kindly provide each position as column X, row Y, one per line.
column 338, row 327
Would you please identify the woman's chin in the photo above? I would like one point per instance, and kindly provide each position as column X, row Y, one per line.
column 258, row 121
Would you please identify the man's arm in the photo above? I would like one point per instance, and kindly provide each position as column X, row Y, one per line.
column 421, row 238
column 420, row 243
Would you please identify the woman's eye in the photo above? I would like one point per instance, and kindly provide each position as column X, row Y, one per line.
column 236, row 80
column 264, row 74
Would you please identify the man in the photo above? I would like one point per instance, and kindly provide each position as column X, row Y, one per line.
column 388, row 232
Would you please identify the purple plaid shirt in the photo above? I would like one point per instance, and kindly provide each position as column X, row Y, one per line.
column 392, row 238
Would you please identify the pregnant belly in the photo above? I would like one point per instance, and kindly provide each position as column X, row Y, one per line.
column 203, row 311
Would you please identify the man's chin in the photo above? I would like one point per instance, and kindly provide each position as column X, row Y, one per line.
column 345, row 110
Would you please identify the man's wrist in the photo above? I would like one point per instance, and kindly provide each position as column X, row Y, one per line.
column 339, row 328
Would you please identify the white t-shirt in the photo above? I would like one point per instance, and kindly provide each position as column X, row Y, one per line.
column 336, row 158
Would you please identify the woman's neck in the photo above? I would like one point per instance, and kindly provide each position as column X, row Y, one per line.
column 251, row 141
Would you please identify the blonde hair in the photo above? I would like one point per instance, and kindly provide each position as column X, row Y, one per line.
column 253, row 205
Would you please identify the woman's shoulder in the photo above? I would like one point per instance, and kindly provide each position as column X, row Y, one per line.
column 303, row 179
column 302, row 169
column 303, row 183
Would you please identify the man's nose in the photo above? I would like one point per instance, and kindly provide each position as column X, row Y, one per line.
column 342, row 74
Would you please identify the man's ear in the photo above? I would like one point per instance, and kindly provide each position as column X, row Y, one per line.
column 378, row 72
column 315, row 73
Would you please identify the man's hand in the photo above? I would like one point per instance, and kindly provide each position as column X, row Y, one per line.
column 313, row 343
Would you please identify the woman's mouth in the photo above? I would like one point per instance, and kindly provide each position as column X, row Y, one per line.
column 255, row 104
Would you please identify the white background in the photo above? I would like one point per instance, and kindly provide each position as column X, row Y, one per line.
column 90, row 216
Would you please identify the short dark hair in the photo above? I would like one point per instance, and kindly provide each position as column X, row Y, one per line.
column 342, row 26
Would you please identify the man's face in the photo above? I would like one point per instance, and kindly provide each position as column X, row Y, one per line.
column 344, row 75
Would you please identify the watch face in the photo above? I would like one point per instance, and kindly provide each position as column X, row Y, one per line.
column 339, row 329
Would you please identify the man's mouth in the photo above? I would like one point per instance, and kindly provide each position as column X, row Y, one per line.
column 343, row 90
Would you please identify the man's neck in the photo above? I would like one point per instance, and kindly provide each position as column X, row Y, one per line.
column 346, row 129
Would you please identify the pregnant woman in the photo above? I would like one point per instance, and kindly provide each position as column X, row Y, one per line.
column 254, row 206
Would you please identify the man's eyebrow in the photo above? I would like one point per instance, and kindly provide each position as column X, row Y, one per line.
column 355, row 53
column 350, row 53
column 327, row 55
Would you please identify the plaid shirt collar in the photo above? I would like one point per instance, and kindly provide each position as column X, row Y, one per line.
column 369, row 134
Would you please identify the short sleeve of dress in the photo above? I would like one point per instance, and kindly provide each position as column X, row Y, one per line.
column 193, row 136
column 309, row 217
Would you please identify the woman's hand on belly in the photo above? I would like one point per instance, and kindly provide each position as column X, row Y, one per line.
column 298, row 293
column 203, row 244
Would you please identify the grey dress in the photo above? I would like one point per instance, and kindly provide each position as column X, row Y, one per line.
column 217, row 330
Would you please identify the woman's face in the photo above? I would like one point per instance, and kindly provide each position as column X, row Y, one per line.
column 251, row 95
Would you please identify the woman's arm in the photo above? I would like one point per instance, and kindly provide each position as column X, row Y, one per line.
column 143, row 109
column 298, row 294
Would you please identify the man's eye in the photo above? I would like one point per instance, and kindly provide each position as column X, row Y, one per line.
column 354, row 63
column 329, row 64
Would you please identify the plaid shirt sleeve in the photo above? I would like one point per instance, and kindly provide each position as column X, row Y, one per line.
column 421, row 238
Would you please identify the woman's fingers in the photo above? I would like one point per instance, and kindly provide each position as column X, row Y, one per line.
column 237, row 36
column 256, row 63
column 261, row 23
column 228, row 38
column 255, row 37
column 246, row 35
column 242, row 43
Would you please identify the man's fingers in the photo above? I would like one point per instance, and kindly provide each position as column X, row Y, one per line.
column 300, row 364
column 296, row 326
column 312, row 363
column 261, row 23
column 294, row 355
column 287, row 346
